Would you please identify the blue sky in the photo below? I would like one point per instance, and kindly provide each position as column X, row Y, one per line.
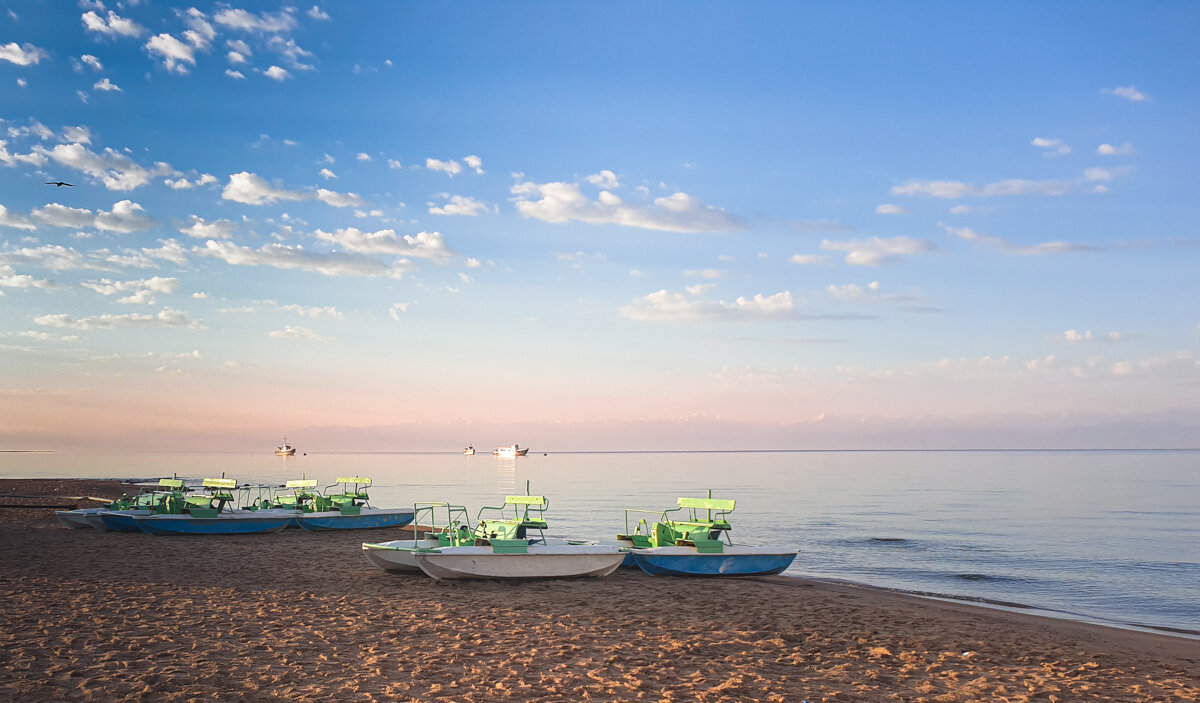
column 599, row 226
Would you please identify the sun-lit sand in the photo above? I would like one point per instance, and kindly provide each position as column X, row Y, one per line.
column 294, row 616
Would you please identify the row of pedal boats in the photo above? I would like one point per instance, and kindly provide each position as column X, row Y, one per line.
column 222, row 506
column 509, row 542
column 504, row 542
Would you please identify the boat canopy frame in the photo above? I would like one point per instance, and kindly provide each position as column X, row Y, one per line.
column 707, row 533
column 504, row 533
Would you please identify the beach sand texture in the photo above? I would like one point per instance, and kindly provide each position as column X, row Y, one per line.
column 298, row 616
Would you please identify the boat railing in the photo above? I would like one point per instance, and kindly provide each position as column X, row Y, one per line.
column 694, row 529
column 351, row 492
column 528, row 512
column 301, row 494
column 454, row 531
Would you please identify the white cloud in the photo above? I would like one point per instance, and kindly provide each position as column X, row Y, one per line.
column 458, row 205
column 56, row 215
column 116, row 170
column 1086, row 336
column 958, row 189
column 423, row 245
column 450, row 168
column 397, row 309
column 313, row 312
column 875, row 251
column 253, row 190
column 126, row 216
column 106, row 85
column 961, row 210
column 53, row 257
column 175, row 54
column 806, row 259
column 170, row 250
column 317, row 13
column 276, row 73
column 141, row 292
column 473, row 263
column 249, row 22
column 889, row 209
column 664, row 306
column 474, row 163
column 363, row 156
column 327, row 174
column 1128, row 92
column 112, row 25
column 852, row 293
column 164, row 318
column 291, row 332
column 293, row 55
column 564, row 202
column 1042, row 249
column 1109, row 150
column 33, row 158
column 296, row 258
column 1177, row 360
column 335, row 199
column 185, row 184
column 1100, row 174
column 199, row 33
column 92, row 61
column 14, row 221
column 236, row 75
column 248, row 188
column 392, row 163
column 9, row 278
column 25, row 55
column 235, row 58
column 1052, row 147
column 606, row 179
column 198, row 228
column 22, row 82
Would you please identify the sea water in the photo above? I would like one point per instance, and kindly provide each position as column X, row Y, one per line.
column 1102, row 536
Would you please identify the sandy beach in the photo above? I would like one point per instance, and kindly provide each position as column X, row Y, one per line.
column 297, row 616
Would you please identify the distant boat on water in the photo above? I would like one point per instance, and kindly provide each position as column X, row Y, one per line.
column 470, row 450
column 285, row 449
column 513, row 451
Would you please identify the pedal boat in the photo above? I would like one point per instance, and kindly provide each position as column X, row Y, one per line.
column 119, row 517
column 214, row 514
column 502, row 548
column 350, row 509
column 699, row 545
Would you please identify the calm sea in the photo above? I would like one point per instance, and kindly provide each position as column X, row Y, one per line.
column 1102, row 536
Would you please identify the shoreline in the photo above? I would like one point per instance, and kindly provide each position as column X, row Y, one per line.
column 93, row 616
column 130, row 484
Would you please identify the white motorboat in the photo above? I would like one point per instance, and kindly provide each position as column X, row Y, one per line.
column 285, row 449
column 470, row 450
column 513, row 451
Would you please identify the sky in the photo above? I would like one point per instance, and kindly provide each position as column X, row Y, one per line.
column 599, row 226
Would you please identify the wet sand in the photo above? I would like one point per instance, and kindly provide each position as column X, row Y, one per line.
column 298, row 616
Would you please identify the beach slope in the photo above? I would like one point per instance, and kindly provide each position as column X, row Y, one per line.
column 300, row 616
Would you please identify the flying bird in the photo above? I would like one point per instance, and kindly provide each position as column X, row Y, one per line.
column 60, row 184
